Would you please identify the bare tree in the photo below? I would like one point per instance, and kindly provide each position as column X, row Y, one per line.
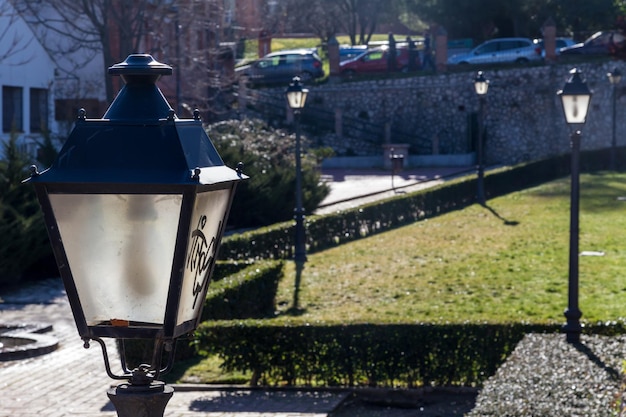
column 186, row 34
column 326, row 18
column 112, row 28
column 197, row 40
column 361, row 18
column 322, row 17
column 12, row 41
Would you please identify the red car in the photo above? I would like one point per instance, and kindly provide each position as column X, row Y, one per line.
column 375, row 61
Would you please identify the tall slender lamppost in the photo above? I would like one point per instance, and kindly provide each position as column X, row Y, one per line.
column 296, row 98
column 575, row 97
column 614, row 78
column 481, row 85
column 135, row 206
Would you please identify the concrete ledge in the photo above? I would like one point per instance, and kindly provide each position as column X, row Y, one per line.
column 353, row 162
column 451, row 160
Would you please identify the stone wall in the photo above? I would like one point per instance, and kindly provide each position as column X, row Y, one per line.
column 524, row 120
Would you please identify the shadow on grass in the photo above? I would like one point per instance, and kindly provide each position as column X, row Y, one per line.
column 504, row 220
column 295, row 311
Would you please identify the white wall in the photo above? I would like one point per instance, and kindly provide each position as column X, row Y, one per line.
column 24, row 63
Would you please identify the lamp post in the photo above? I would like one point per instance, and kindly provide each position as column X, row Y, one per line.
column 481, row 85
column 575, row 97
column 296, row 98
column 614, row 78
column 135, row 206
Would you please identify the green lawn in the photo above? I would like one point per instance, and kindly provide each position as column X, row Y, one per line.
column 506, row 262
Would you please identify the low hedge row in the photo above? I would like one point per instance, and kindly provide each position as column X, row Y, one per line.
column 224, row 269
column 276, row 242
column 249, row 293
column 383, row 355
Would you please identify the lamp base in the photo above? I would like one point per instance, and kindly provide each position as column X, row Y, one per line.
column 572, row 328
column 141, row 400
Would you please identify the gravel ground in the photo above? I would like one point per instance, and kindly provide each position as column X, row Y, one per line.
column 546, row 376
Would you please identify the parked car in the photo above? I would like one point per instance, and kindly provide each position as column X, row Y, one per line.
column 374, row 60
column 350, row 51
column 500, row 50
column 600, row 43
column 282, row 66
column 560, row 43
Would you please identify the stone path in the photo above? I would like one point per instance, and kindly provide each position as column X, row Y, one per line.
column 71, row 381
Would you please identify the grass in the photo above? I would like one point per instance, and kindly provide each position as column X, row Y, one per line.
column 507, row 262
column 504, row 262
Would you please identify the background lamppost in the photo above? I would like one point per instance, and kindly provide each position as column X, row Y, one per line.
column 296, row 98
column 575, row 97
column 614, row 78
column 136, row 205
column 481, row 85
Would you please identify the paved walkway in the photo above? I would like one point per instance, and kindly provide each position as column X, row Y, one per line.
column 71, row 381
column 351, row 188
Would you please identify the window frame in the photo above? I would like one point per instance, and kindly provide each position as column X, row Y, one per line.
column 12, row 109
column 39, row 110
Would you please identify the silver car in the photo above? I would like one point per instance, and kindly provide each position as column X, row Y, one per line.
column 500, row 50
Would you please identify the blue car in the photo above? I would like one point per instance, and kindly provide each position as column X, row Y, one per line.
column 282, row 66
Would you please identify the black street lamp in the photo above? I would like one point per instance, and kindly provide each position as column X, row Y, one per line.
column 481, row 85
column 614, row 78
column 135, row 205
column 575, row 98
column 296, row 98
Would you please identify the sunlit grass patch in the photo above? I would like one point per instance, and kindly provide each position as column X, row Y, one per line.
column 506, row 262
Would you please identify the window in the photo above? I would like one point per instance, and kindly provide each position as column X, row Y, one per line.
column 12, row 113
column 487, row 48
column 38, row 110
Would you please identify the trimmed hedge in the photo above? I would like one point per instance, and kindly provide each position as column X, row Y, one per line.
column 250, row 293
column 276, row 242
column 389, row 355
column 224, row 269
column 382, row 355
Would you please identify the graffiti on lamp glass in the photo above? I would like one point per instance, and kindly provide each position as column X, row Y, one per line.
column 200, row 258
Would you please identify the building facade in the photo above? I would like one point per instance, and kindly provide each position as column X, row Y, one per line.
column 27, row 80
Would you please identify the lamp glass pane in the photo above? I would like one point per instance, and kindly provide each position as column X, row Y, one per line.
column 575, row 108
column 481, row 88
column 207, row 221
column 120, row 249
column 297, row 99
column 294, row 98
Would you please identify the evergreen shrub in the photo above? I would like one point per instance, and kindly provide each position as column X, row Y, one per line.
column 23, row 236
